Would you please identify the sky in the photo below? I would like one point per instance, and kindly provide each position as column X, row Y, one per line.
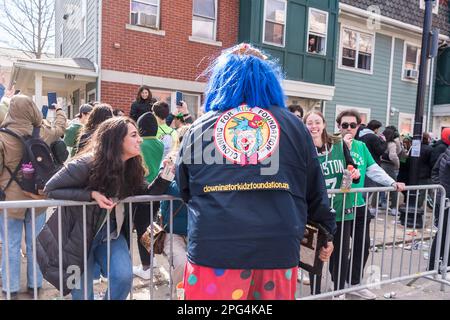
column 7, row 41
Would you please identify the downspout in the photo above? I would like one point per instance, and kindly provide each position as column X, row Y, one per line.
column 99, row 51
column 391, row 71
column 430, row 95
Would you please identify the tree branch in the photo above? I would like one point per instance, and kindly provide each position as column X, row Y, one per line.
column 29, row 23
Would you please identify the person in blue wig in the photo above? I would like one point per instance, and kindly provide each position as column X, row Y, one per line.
column 249, row 173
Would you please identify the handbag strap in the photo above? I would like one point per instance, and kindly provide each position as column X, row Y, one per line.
column 175, row 213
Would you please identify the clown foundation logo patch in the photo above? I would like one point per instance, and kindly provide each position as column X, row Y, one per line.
column 246, row 135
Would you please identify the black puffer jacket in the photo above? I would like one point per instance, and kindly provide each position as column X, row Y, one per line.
column 374, row 143
column 437, row 149
column 441, row 171
column 70, row 183
column 139, row 108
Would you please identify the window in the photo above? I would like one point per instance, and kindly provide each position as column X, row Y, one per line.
column 411, row 61
column 317, row 31
column 406, row 123
column 204, row 19
column 356, row 50
column 145, row 13
column 83, row 21
column 193, row 102
column 274, row 28
column 435, row 6
column 91, row 95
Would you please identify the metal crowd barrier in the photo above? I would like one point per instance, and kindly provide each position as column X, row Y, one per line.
column 389, row 260
column 35, row 204
column 388, row 249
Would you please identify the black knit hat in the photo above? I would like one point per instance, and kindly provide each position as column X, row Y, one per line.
column 148, row 127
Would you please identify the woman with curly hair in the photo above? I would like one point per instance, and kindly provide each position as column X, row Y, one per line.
column 99, row 114
column 108, row 170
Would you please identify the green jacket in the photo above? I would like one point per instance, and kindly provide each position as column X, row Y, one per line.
column 152, row 151
column 71, row 136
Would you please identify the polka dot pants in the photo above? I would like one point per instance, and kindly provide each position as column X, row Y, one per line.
column 203, row 283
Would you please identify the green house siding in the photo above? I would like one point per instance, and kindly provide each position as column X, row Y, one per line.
column 356, row 89
column 370, row 91
column 404, row 93
column 442, row 94
column 297, row 64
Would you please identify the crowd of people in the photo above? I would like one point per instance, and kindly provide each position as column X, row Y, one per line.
column 237, row 231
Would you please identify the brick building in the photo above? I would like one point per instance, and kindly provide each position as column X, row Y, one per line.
column 106, row 49
column 169, row 52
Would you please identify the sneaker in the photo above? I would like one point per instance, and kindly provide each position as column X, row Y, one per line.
column 392, row 212
column 365, row 294
column 144, row 274
column 30, row 291
column 339, row 297
column 13, row 295
column 372, row 212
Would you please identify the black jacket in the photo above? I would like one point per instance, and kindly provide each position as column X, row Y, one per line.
column 436, row 151
column 374, row 143
column 424, row 161
column 440, row 174
column 259, row 224
column 139, row 108
column 441, row 171
column 70, row 183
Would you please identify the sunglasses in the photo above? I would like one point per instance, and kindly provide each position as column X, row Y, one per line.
column 352, row 125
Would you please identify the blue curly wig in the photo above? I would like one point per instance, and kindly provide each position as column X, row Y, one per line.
column 240, row 76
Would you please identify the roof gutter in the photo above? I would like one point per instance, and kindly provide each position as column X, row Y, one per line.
column 99, row 51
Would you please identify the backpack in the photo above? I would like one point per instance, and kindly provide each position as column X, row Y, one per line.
column 38, row 163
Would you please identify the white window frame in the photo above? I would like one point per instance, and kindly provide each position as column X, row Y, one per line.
column 405, row 45
column 326, row 31
column 83, row 21
column 435, row 6
column 197, row 107
column 340, row 108
column 215, row 22
column 158, row 14
column 284, row 29
column 90, row 92
column 402, row 116
column 405, row 115
column 341, row 47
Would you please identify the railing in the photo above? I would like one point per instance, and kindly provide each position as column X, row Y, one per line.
column 389, row 242
column 35, row 204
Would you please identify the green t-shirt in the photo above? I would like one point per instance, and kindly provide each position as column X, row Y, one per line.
column 332, row 164
column 152, row 151
column 363, row 159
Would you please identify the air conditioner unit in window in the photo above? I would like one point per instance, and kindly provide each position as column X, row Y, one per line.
column 146, row 20
column 411, row 74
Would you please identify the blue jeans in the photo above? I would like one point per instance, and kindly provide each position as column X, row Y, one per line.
column 120, row 277
column 15, row 227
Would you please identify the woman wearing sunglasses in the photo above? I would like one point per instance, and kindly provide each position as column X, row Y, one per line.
column 334, row 157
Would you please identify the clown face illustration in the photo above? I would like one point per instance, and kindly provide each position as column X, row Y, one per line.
column 246, row 141
column 246, row 136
